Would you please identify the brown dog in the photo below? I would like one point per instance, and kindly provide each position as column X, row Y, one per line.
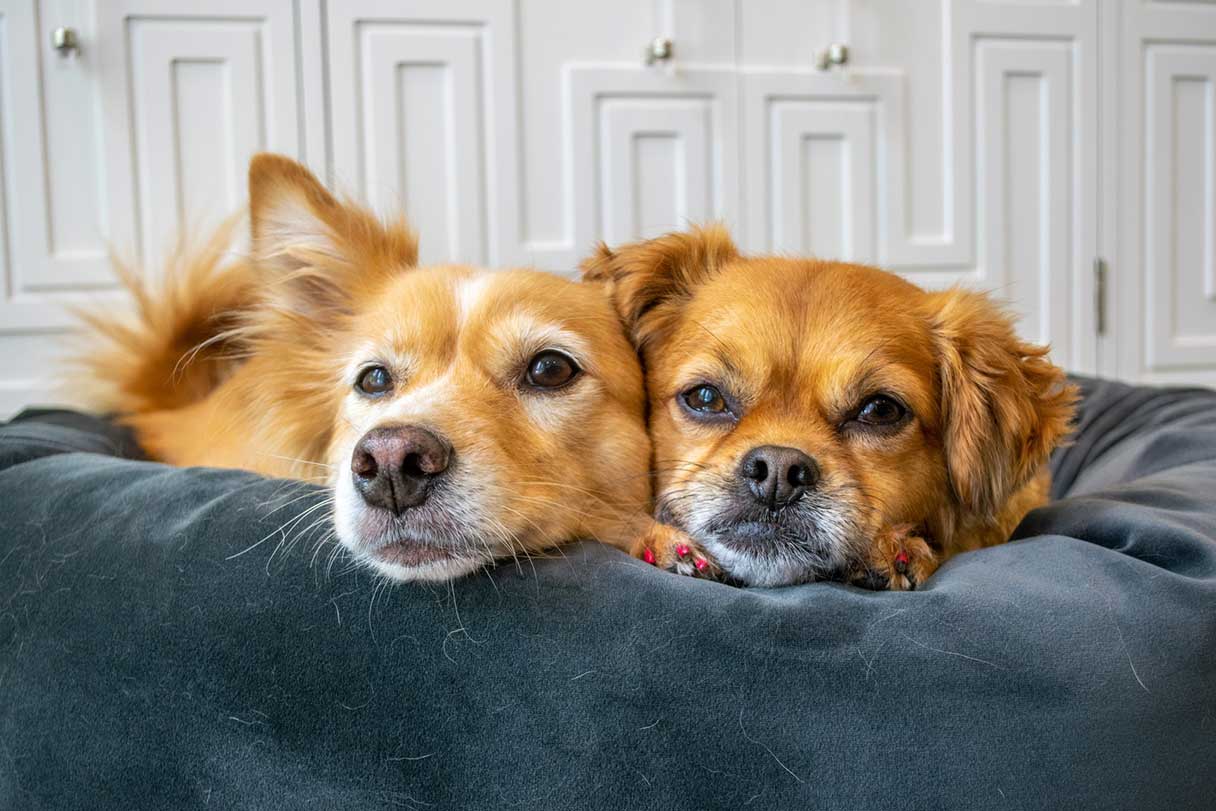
column 819, row 420
column 457, row 415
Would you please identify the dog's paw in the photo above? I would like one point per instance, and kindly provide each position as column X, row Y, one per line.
column 673, row 550
column 899, row 561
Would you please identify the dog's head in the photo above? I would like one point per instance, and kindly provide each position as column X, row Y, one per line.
column 463, row 415
column 797, row 406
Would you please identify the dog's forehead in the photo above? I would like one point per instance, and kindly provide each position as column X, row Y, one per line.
column 491, row 294
column 813, row 322
column 501, row 309
column 439, row 310
column 776, row 299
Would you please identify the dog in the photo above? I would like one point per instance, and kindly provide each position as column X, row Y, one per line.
column 816, row 420
column 457, row 415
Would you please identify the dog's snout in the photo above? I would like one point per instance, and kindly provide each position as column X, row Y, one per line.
column 395, row 466
column 778, row 476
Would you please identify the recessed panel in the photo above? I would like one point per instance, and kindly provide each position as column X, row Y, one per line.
column 1026, row 170
column 658, row 193
column 422, row 133
column 825, row 190
column 819, row 178
column 1180, row 270
column 200, row 111
column 423, row 119
column 655, row 170
column 1195, row 294
column 650, row 152
column 208, row 177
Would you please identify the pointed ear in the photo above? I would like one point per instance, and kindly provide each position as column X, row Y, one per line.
column 289, row 211
column 1005, row 406
column 649, row 281
column 325, row 249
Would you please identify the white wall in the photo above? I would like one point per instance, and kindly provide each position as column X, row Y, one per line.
column 1005, row 145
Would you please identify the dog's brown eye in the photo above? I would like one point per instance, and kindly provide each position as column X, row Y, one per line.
column 374, row 380
column 881, row 410
column 705, row 399
column 551, row 369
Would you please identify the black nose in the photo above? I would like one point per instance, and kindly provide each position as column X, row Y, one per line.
column 394, row 466
column 778, row 476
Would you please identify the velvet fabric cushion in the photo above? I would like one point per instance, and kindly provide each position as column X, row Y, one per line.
column 181, row 638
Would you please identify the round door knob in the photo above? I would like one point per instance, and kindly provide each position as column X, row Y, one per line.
column 660, row 49
column 65, row 40
column 832, row 56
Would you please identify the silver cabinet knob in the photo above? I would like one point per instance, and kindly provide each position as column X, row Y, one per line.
column 660, row 49
column 834, row 55
column 65, row 40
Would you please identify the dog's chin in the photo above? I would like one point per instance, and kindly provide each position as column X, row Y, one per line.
column 754, row 557
column 417, row 553
column 409, row 559
column 816, row 543
column 429, row 544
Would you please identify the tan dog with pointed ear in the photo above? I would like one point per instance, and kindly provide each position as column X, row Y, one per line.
column 457, row 415
column 821, row 420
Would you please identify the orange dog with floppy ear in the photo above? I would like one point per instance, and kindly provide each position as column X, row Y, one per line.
column 822, row 420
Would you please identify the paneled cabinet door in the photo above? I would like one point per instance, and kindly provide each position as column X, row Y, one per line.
column 191, row 91
column 1166, row 265
column 656, row 146
column 53, row 220
column 957, row 145
column 424, row 119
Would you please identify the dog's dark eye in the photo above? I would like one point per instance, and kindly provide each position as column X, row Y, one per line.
column 881, row 410
column 705, row 400
column 374, row 380
column 551, row 370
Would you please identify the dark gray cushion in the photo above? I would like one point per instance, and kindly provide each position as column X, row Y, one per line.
column 168, row 639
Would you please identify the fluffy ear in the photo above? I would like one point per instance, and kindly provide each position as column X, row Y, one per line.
column 1005, row 406
column 649, row 280
column 326, row 250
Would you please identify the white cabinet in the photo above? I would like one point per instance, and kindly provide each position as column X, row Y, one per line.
column 1004, row 144
column 968, row 157
column 1165, row 120
column 141, row 134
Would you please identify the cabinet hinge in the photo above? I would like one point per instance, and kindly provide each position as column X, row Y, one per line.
column 1100, row 295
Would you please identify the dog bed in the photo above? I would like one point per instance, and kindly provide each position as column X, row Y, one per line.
column 165, row 644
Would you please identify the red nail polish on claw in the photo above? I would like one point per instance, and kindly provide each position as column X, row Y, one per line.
column 648, row 556
column 701, row 563
column 682, row 550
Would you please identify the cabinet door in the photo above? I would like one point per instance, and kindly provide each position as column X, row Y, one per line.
column 425, row 121
column 656, row 146
column 1166, row 266
column 957, row 145
column 191, row 93
column 54, row 221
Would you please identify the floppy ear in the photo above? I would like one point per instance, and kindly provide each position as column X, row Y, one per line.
column 1005, row 406
column 649, row 280
column 325, row 251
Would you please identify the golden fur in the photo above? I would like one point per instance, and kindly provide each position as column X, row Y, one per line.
column 171, row 350
column 798, row 345
column 252, row 365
